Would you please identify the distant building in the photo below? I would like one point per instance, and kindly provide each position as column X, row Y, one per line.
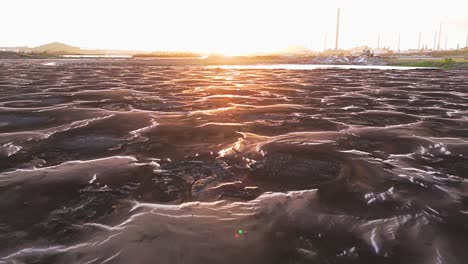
column 381, row 51
column 14, row 49
column 9, row 49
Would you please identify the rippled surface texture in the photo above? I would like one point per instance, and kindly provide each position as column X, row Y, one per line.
column 130, row 162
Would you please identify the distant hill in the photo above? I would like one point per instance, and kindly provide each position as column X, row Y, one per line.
column 58, row 48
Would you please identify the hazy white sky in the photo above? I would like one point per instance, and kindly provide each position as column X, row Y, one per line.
column 230, row 26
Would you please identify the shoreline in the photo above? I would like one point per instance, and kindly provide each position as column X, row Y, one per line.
column 459, row 62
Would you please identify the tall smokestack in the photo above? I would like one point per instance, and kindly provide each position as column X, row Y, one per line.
column 378, row 42
column 419, row 41
column 440, row 36
column 398, row 42
column 435, row 40
column 337, row 29
column 325, row 43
